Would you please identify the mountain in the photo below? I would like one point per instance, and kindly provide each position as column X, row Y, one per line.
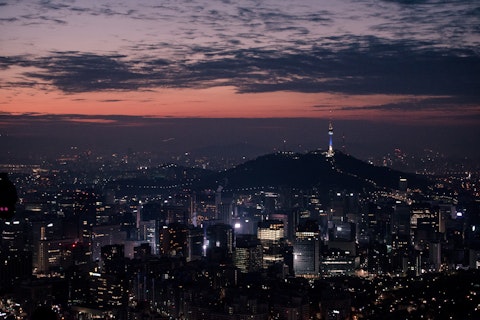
column 309, row 170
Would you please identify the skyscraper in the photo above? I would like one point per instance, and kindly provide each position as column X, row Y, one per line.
column 220, row 241
column 270, row 233
column 306, row 251
column 248, row 254
column 174, row 240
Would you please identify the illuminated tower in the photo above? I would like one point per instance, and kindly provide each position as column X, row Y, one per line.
column 270, row 233
column 330, row 136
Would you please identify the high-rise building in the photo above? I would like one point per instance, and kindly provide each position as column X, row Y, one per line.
column 248, row 254
column 220, row 241
column 306, row 251
column 43, row 231
column 14, row 267
column 106, row 235
column 424, row 224
column 113, row 258
column 14, row 235
column 271, row 233
column 149, row 231
column 107, row 291
column 53, row 254
column 343, row 238
column 195, row 243
column 174, row 240
column 337, row 262
column 401, row 227
column 402, row 184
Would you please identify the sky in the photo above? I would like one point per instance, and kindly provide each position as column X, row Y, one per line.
column 360, row 63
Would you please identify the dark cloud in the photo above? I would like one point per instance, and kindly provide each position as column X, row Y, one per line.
column 322, row 16
column 50, row 5
column 32, row 19
column 419, row 104
column 32, row 118
column 111, row 100
column 9, row 19
column 407, row 1
column 79, row 9
column 74, row 72
column 440, row 109
column 318, row 106
column 347, row 65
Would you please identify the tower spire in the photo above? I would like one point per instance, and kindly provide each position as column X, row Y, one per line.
column 330, row 136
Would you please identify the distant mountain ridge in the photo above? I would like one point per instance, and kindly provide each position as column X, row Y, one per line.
column 312, row 169
column 270, row 171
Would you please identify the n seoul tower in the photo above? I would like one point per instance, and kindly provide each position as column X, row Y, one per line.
column 330, row 136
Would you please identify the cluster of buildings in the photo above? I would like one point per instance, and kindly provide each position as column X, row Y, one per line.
column 95, row 252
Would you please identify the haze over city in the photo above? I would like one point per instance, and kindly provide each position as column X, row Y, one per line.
column 389, row 73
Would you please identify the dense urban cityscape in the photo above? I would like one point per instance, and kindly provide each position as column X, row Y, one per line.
column 270, row 238
column 239, row 160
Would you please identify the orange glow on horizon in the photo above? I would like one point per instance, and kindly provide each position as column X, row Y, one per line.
column 215, row 102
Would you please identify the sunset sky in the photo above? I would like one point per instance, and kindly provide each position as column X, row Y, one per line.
column 402, row 62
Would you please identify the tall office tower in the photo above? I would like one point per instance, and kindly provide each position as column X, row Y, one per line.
column 15, row 266
column 435, row 255
column 283, row 217
column 343, row 231
column 270, row 202
column 344, row 206
column 402, row 185
column 14, row 235
column 106, row 235
column 53, row 254
column 205, row 206
column 337, row 262
column 149, row 231
column 401, row 228
column 401, row 240
column 84, row 204
column 43, row 230
column 48, row 245
column 424, row 224
column 342, row 237
column 109, row 287
column 76, row 254
column 15, row 253
column 245, row 224
column 8, row 197
column 220, row 240
column 195, row 243
column 248, row 254
column 271, row 233
column 113, row 258
column 330, row 152
column 338, row 207
column 306, row 251
column 224, row 207
column 174, row 240
column 107, row 291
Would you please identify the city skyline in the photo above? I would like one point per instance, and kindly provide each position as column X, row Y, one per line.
column 368, row 65
column 260, row 159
